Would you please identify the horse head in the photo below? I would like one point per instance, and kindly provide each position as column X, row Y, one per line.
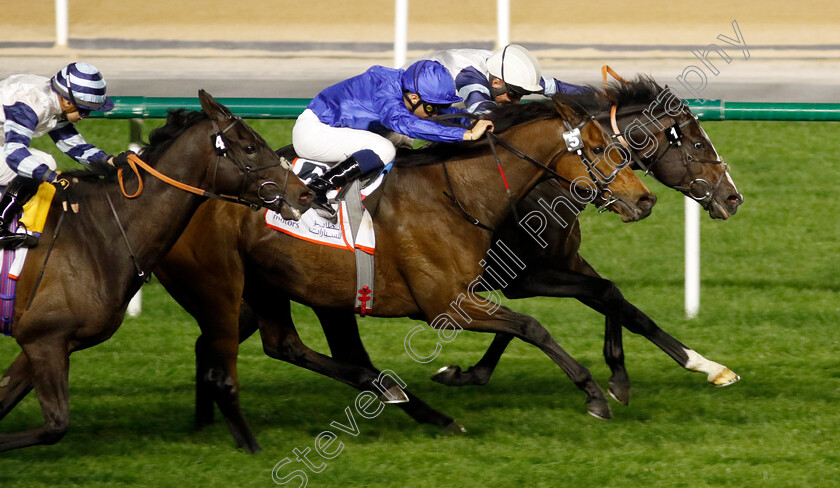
column 670, row 144
column 247, row 167
column 601, row 172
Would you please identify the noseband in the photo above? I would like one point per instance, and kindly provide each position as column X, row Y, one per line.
column 249, row 174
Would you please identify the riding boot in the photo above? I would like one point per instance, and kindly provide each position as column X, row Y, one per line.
column 335, row 178
column 11, row 205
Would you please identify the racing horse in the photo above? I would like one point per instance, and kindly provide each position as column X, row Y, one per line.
column 675, row 150
column 670, row 144
column 428, row 253
column 99, row 257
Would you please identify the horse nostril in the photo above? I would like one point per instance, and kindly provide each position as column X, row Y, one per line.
column 647, row 201
column 735, row 199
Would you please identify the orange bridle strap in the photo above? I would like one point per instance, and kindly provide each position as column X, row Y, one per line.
column 605, row 69
column 134, row 162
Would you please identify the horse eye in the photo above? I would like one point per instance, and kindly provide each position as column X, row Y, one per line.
column 598, row 150
column 250, row 149
column 698, row 145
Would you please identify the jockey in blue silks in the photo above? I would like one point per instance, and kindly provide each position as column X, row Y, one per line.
column 31, row 107
column 485, row 78
column 340, row 124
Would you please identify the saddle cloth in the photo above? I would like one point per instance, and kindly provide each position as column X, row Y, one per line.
column 312, row 227
column 34, row 218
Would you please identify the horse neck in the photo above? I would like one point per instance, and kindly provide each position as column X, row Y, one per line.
column 154, row 220
column 539, row 140
column 631, row 113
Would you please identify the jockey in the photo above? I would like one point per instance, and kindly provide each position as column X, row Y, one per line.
column 34, row 106
column 485, row 78
column 340, row 124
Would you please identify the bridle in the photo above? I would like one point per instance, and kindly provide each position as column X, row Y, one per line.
column 698, row 188
column 220, row 145
column 573, row 143
column 249, row 173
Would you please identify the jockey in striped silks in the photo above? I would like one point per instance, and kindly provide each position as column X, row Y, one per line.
column 485, row 78
column 33, row 106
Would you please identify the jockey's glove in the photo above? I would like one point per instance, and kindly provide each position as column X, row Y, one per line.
column 65, row 194
column 121, row 159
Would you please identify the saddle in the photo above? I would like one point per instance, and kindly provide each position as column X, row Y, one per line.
column 350, row 227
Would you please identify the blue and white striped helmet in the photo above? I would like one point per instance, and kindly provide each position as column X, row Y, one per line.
column 83, row 86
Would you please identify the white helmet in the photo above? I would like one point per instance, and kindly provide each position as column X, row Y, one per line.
column 514, row 65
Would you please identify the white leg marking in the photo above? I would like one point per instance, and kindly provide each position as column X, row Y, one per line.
column 700, row 364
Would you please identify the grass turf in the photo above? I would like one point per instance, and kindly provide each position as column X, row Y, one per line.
column 769, row 308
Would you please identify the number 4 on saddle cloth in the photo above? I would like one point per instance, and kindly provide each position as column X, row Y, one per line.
column 316, row 228
column 34, row 218
column 352, row 228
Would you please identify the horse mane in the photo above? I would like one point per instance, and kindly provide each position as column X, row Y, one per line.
column 638, row 91
column 504, row 117
column 177, row 121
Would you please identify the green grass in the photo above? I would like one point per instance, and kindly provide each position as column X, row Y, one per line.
column 770, row 308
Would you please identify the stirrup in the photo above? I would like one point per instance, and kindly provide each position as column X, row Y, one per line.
column 12, row 240
column 327, row 212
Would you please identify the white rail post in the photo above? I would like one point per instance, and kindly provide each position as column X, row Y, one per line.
column 135, row 306
column 692, row 257
column 400, row 32
column 502, row 23
column 61, row 21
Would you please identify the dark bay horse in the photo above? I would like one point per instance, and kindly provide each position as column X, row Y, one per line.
column 428, row 255
column 688, row 163
column 649, row 116
column 97, row 260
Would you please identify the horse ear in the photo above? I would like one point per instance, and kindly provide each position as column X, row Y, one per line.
column 212, row 108
column 568, row 114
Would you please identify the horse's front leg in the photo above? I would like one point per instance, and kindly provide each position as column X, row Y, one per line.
column 605, row 297
column 50, row 371
column 552, row 283
column 502, row 320
column 15, row 384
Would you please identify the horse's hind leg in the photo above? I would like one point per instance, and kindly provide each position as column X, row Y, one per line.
column 50, row 370
column 342, row 333
column 478, row 374
column 15, row 384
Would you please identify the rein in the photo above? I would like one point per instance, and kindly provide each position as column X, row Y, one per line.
column 673, row 135
column 221, row 151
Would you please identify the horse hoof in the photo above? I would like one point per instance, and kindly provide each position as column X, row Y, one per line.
column 725, row 378
column 251, row 447
column 446, row 375
column 455, row 428
column 394, row 394
column 599, row 409
column 620, row 395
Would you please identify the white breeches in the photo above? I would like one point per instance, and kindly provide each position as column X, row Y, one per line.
column 316, row 140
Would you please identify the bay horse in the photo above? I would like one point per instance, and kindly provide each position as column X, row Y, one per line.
column 428, row 254
column 688, row 163
column 98, row 258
